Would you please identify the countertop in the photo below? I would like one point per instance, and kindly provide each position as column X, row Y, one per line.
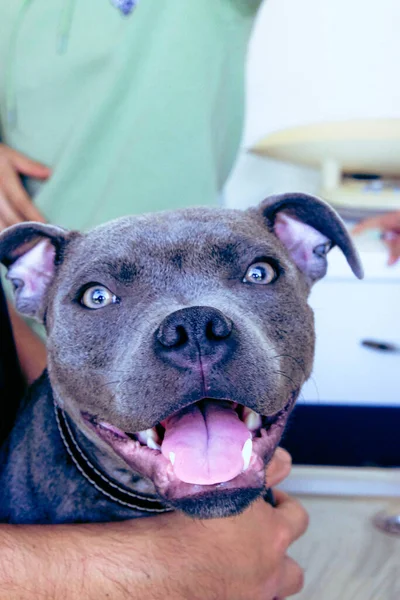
column 344, row 555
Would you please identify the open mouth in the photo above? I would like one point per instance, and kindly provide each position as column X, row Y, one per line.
column 207, row 446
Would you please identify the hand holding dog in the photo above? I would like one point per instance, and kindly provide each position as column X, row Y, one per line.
column 15, row 204
column 170, row 556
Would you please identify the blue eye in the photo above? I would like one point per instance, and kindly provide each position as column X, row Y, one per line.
column 98, row 296
column 260, row 273
column 323, row 249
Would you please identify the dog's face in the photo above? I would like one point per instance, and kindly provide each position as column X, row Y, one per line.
column 180, row 341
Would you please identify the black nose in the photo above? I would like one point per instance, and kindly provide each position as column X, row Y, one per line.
column 186, row 333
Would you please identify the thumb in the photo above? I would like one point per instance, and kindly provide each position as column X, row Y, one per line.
column 279, row 467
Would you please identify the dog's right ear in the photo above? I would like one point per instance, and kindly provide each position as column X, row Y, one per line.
column 31, row 252
column 308, row 227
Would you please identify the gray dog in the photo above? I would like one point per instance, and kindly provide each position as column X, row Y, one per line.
column 177, row 345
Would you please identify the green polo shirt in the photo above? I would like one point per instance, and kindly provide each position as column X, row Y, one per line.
column 134, row 113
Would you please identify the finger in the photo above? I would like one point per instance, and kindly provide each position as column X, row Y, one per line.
column 292, row 578
column 372, row 223
column 387, row 221
column 17, row 195
column 279, row 467
column 394, row 250
column 8, row 215
column 27, row 166
column 294, row 513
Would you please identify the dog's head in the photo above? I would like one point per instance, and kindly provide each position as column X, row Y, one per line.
column 180, row 340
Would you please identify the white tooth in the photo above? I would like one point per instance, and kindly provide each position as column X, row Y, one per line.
column 146, row 435
column 152, row 434
column 172, row 457
column 246, row 453
column 251, row 419
column 142, row 437
column 152, row 444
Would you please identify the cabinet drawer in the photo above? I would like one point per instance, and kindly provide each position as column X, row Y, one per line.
column 347, row 312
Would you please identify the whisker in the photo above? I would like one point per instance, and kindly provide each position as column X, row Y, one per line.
column 287, row 377
column 311, row 378
column 107, row 383
column 296, row 360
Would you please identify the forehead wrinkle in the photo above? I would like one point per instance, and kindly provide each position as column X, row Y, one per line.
column 119, row 269
column 235, row 252
column 225, row 254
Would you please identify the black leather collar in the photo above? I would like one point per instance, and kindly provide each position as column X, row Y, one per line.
column 100, row 481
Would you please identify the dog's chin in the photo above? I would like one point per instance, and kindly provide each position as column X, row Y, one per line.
column 217, row 504
column 206, row 496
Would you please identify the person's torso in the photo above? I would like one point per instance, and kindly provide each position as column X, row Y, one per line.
column 136, row 113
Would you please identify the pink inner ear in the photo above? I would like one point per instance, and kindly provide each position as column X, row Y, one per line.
column 35, row 270
column 301, row 240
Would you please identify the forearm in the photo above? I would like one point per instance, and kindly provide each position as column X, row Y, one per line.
column 96, row 561
column 31, row 350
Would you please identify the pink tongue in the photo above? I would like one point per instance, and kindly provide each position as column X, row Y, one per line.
column 207, row 443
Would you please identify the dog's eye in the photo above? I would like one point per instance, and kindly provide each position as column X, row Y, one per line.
column 98, row 296
column 323, row 249
column 260, row 272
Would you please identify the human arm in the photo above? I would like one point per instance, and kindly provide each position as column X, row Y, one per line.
column 389, row 225
column 15, row 203
column 31, row 350
column 169, row 556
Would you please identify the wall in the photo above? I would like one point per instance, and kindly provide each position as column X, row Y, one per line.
column 320, row 60
column 254, row 178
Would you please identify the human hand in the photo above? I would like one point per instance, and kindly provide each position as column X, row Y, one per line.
column 236, row 558
column 15, row 203
column 246, row 554
column 389, row 225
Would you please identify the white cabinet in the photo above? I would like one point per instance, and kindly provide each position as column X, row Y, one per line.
column 348, row 311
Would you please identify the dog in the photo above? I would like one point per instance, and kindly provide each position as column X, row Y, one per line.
column 177, row 344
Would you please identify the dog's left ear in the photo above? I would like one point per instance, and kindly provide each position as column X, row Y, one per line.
column 31, row 252
column 308, row 227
